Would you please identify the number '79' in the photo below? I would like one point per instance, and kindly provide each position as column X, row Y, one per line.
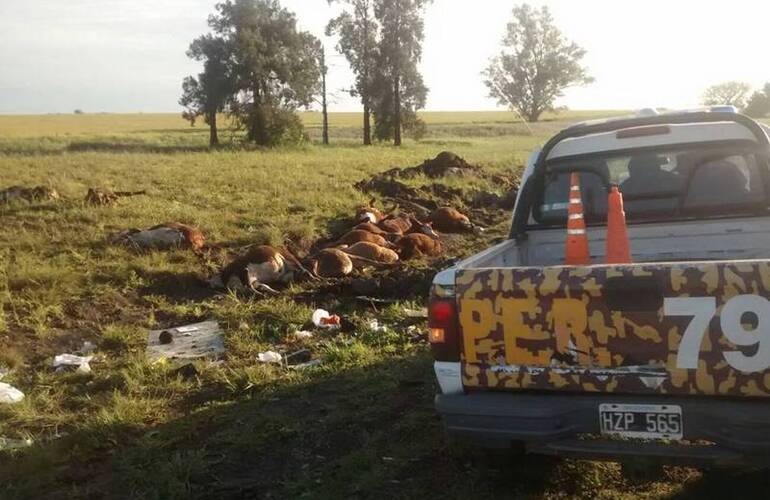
column 703, row 309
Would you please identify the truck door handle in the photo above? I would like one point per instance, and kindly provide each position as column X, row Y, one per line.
column 633, row 293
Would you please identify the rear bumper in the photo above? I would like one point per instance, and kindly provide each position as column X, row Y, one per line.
column 568, row 425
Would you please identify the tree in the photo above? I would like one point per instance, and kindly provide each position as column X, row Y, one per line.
column 413, row 94
column 731, row 93
column 536, row 65
column 357, row 31
column 208, row 94
column 759, row 103
column 400, row 50
column 275, row 67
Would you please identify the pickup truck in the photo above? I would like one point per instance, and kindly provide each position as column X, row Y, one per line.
column 667, row 356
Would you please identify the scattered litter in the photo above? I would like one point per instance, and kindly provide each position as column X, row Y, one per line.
column 309, row 364
column 269, row 357
column 14, row 444
column 10, row 394
column 194, row 341
column 303, row 334
column 323, row 319
column 375, row 326
column 72, row 362
column 416, row 335
column 299, row 357
column 416, row 313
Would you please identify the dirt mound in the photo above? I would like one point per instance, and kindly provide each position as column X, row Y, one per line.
column 443, row 165
column 424, row 199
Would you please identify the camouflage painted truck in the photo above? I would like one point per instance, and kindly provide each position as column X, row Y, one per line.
column 665, row 357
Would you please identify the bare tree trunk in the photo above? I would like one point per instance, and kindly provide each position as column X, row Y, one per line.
column 366, row 98
column 367, row 124
column 258, row 128
column 397, row 81
column 213, row 133
column 397, row 110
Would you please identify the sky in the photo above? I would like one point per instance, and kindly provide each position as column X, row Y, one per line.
column 129, row 55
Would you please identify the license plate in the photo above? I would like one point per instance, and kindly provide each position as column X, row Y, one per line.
column 641, row 421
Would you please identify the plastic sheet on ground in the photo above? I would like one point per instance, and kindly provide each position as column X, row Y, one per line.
column 82, row 364
column 269, row 357
column 10, row 394
column 195, row 341
column 303, row 334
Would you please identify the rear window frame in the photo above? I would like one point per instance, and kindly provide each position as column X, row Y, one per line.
column 729, row 148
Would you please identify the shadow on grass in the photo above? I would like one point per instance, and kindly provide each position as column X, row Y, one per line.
column 177, row 288
column 364, row 432
column 32, row 208
column 360, row 431
column 727, row 483
column 117, row 147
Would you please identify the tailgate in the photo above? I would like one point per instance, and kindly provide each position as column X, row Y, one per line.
column 673, row 328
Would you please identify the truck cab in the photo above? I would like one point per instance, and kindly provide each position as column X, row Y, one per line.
column 666, row 355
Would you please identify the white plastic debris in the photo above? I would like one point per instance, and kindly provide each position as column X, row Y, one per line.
column 375, row 326
column 81, row 363
column 188, row 342
column 10, row 394
column 322, row 319
column 269, row 357
column 303, row 334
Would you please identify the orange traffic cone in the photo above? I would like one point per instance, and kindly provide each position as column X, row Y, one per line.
column 618, row 248
column 577, row 253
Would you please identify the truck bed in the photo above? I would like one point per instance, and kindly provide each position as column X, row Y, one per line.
column 690, row 315
column 728, row 239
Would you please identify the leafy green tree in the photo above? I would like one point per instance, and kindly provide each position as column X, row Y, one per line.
column 731, row 93
column 400, row 91
column 358, row 31
column 275, row 67
column 759, row 103
column 208, row 94
column 536, row 65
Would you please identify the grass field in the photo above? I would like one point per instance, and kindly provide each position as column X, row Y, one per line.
column 360, row 426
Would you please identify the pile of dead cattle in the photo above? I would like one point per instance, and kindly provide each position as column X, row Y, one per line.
column 369, row 252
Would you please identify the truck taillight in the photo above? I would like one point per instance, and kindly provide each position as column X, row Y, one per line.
column 442, row 328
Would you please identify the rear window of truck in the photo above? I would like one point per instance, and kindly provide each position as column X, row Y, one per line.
column 656, row 185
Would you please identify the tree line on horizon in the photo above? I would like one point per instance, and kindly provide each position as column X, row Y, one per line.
column 739, row 94
column 259, row 68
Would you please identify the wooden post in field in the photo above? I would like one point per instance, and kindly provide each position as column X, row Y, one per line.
column 324, row 70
